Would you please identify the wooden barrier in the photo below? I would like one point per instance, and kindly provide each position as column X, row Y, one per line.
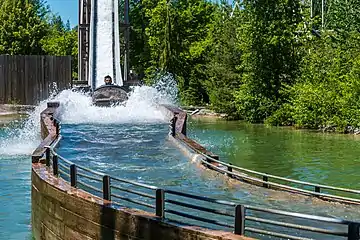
column 27, row 80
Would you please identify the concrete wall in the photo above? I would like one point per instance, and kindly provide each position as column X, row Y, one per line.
column 60, row 211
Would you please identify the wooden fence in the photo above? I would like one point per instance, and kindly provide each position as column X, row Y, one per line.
column 30, row 79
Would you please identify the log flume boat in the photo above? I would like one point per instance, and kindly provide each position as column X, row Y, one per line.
column 110, row 95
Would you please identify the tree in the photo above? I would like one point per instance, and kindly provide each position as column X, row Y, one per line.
column 21, row 28
column 271, row 56
column 139, row 46
column 176, row 35
column 224, row 59
column 61, row 40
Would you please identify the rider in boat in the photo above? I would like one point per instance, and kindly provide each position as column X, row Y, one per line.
column 108, row 80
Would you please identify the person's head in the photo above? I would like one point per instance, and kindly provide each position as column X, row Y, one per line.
column 107, row 80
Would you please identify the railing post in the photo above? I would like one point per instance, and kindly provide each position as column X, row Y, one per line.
column 47, row 157
column 229, row 168
column 57, row 125
column 353, row 231
column 73, row 175
column 265, row 179
column 239, row 220
column 317, row 189
column 106, row 188
column 160, row 203
column 173, row 126
column 55, row 165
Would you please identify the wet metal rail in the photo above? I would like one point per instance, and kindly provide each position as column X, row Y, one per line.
column 181, row 207
column 325, row 192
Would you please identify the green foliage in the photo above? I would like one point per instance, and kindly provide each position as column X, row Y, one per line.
column 139, row 47
column 270, row 56
column 328, row 92
column 176, row 35
column 262, row 63
column 27, row 27
column 21, row 28
column 269, row 61
column 224, row 60
column 61, row 40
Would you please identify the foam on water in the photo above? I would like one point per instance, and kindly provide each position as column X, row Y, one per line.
column 76, row 108
column 142, row 106
column 25, row 138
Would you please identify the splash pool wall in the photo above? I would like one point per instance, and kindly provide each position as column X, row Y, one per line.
column 60, row 211
column 245, row 177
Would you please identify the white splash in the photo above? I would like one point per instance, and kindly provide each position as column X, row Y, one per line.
column 23, row 140
column 142, row 106
column 77, row 108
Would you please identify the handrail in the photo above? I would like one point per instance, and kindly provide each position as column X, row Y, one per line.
column 300, row 215
column 135, row 183
column 230, row 173
column 239, row 215
column 266, row 177
column 266, row 183
column 206, row 199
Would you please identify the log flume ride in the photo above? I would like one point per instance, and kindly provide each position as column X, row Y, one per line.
column 110, row 95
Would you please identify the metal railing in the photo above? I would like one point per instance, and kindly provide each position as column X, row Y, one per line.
column 265, row 179
column 189, row 209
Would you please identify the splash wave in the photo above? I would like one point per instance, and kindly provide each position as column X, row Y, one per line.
column 77, row 108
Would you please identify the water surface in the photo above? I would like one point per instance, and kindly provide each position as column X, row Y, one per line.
column 331, row 159
column 142, row 152
column 15, row 185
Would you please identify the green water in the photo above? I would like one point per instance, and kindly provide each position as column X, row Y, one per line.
column 324, row 158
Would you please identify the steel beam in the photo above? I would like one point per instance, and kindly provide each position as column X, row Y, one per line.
column 126, row 40
column 83, row 38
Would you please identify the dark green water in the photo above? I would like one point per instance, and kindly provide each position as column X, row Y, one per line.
column 331, row 159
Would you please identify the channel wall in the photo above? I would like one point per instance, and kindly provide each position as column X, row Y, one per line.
column 61, row 211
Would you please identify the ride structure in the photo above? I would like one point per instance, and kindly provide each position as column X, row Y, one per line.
column 92, row 61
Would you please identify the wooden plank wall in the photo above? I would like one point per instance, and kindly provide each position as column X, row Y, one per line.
column 27, row 80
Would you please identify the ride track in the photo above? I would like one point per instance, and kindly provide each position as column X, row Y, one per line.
column 240, row 219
